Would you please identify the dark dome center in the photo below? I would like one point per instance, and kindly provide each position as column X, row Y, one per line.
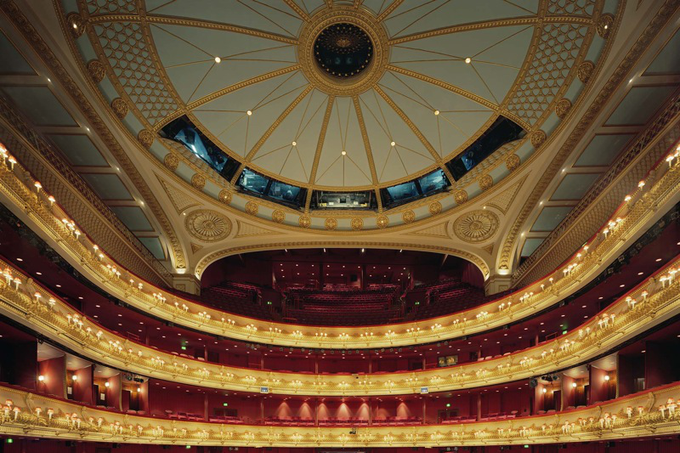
column 343, row 50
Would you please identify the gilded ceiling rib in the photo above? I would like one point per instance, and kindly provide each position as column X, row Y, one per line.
column 457, row 90
column 394, row 5
column 299, row 11
column 271, row 130
column 532, row 20
column 319, row 147
column 435, row 155
column 364, row 136
column 185, row 22
column 224, row 91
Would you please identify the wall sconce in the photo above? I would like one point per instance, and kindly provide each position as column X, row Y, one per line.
column 107, row 385
column 139, row 389
column 574, row 385
column 74, row 377
column 545, row 390
column 606, row 378
column 41, row 378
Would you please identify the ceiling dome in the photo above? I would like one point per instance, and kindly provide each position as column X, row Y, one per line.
column 300, row 102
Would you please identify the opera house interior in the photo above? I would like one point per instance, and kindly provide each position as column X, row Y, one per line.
column 339, row 226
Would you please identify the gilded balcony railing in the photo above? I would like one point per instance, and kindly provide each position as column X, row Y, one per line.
column 652, row 302
column 19, row 188
column 648, row 413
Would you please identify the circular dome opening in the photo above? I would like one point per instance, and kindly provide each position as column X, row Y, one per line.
column 343, row 50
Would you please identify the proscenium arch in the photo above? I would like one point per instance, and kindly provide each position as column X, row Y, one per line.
column 207, row 260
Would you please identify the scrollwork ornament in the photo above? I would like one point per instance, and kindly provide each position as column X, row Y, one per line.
column 252, row 208
column 198, row 181
column 512, row 162
column 146, row 138
column 538, row 138
column 408, row 216
column 305, row 221
column 96, row 70
column 120, row 108
column 357, row 223
column 76, row 24
column 224, row 196
column 486, row 182
column 476, row 226
column 604, row 25
column 382, row 221
column 331, row 223
column 460, row 197
column 208, row 226
column 278, row 216
column 585, row 70
column 562, row 107
column 171, row 161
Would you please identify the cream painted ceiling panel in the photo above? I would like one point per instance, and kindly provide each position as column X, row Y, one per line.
column 273, row 16
column 227, row 117
column 415, row 16
column 385, row 128
column 188, row 55
column 344, row 134
column 446, row 119
column 290, row 150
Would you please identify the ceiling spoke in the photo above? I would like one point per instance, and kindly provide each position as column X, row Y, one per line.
column 514, row 22
column 390, row 9
column 409, row 123
column 241, row 85
column 299, row 11
column 447, row 86
column 319, row 144
column 273, row 22
column 276, row 124
column 421, row 17
column 367, row 143
column 186, row 22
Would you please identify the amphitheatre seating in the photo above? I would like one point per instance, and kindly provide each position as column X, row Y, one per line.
column 234, row 300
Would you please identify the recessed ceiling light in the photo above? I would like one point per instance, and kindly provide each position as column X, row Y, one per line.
column 658, row 259
column 218, row 60
column 20, row 259
column 58, row 286
column 38, row 273
column 600, row 297
column 468, row 60
column 393, row 144
column 344, row 153
column 294, row 143
column 249, row 112
column 436, row 112
column 640, row 273
column 584, row 306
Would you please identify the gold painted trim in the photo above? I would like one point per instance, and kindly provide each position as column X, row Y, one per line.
column 597, row 423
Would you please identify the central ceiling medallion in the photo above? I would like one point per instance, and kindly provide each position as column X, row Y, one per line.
column 343, row 51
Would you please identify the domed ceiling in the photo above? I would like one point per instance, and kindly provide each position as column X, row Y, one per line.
column 322, row 106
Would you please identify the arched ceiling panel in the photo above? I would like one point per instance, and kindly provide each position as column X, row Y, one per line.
column 396, row 149
column 417, row 16
column 227, row 116
column 447, row 120
column 273, row 16
column 189, row 57
column 290, row 149
column 344, row 134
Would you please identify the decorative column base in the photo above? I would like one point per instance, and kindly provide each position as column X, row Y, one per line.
column 187, row 283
